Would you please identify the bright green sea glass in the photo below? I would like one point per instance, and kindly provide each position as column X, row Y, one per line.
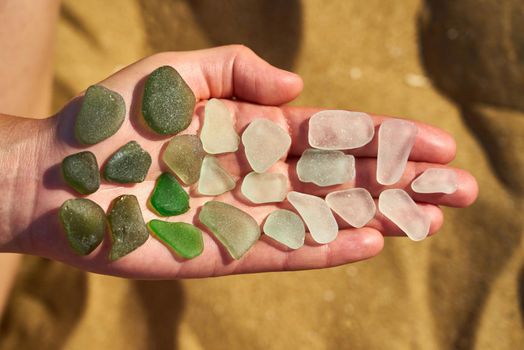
column 169, row 198
column 185, row 239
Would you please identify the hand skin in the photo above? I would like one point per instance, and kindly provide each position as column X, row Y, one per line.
column 31, row 152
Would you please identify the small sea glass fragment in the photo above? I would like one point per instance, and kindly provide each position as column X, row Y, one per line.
column 339, row 130
column 265, row 143
column 129, row 164
column 80, row 171
column 214, row 179
column 100, row 116
column 436, row 180
column 168, row 102
column 285, row 227
column 325, row 168
column 398, row 207
column 184, row 155
column 356, row 206
column 185, row 239
column 168, row 197
column 235, row 229
column 128, row 229
column 264, row 187
column 85, row 224
column 218, row 133
column 316, row 214
column 395, row 140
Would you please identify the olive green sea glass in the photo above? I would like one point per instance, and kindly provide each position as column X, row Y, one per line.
column 129, row 164
column 80, row 171
column 184, row 155
column 185, row 239
column 85, row 224
column 100, row 116
column 169, row 198
column 237, row 230
column 168, row 102
column 128, row 229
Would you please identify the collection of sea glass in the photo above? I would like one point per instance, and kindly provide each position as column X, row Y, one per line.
column 167, row 108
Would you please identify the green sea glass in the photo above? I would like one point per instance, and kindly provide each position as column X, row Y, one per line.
column 184, row 155
column 285, row 227
column 185, row 239
column 235, row 229
column 129, row 164
column 100, row 116
column 168, row 102
column 85, row 224
column 128, row 229
column 80, row 171
column 169, row 198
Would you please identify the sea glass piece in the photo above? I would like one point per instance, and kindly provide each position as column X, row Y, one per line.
column 264, row 187
column 184, row 155
column 85, row 224
column 168, row 197
column 325, row 168
column 80, row 171
column 100, row 116
column 129, row 164
column 265, row 143
column 128, row 229
column 316, row 214
column 285, row 227
column 395, row 140
column 168, row 102
column 339, row 130
column 398, row 207
column 214, row 179
column 218, row 133
column 436, row 180
column 235, row 229
column 355, row 206
column 185, row 239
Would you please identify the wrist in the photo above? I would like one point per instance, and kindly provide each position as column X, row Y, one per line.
column 24, row 156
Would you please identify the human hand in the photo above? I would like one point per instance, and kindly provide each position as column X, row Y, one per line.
column 251, row 88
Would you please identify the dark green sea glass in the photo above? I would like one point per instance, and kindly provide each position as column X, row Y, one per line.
column 85, row 224
column 80, row 171
column 185, row 239
column 234, row 228
column 169, row 198
column 129, row 164
column 128, row 229
column 100, row 116
column 168, row 102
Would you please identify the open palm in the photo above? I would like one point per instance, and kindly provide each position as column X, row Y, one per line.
column 251, row 88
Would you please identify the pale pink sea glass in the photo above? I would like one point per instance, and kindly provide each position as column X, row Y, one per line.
column 398, row 207
column 316, row 214
column 340, row 130
column 436, row 180
column 395, row 140
column 356, row 206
